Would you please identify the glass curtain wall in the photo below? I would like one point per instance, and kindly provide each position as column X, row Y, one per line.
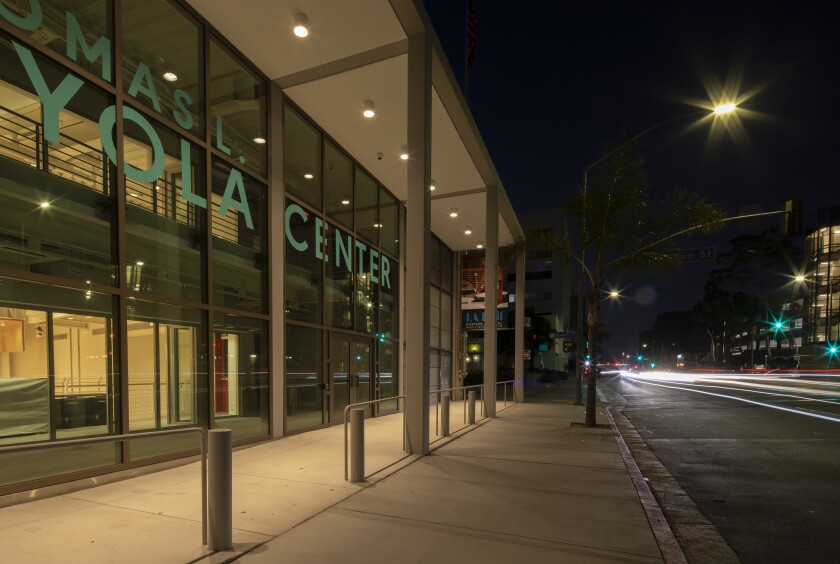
column 186, row 193
column 341, row 280
column 440, row 318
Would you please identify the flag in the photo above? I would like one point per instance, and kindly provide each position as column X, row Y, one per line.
column 470, row 34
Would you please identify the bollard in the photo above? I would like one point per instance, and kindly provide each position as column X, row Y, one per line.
column 471, row 407
column 220, row 488
column 444, row 415
column 357, row 445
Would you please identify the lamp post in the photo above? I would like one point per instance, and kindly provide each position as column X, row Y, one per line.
column 719, row 110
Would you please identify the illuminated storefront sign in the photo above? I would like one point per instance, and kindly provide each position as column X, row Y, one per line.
column 367, row 259
column 473, row 320
column 54, row 101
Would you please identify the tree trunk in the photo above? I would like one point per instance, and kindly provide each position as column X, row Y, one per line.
column 594, row 322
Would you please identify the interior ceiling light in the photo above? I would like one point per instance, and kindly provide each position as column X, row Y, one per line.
column 368, row 111
column 480, row 245
column 259, row 139
column 170, row 76
column 432, row 185
column 45, row 204
column 309, row 176
column 345, row 202
column 453, row 212
column 301, row 25
column 468, row 230
column 404, row 153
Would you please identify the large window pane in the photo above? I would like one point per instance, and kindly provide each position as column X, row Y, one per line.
column 57, row 377
column 434, row 317
column 240, row 381
column 165, row 233
column 89, row 24
column 301, row 158
column 388, row 288
column 237, row 109
column 389, row 215
column 367, row 207
column 339, row 283
column 303, row 272
column 447, row 259
column 167, row 374
column 367, row 296
column 304, row 377
column 338, row 185
column 161, row 62
column 57, row 198
column 240, row 266
column 388, row 377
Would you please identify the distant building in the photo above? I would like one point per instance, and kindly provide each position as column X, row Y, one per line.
column 822, row 304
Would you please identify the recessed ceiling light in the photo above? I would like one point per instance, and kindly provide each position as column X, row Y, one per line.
column 345, row 202
column 140, row 263
column 170, row 76
column 301, row 25
column 133, row 195
column 453, row 212
column 45, row 204
column 404, row 153
column 368, row 111
column 309, row 176
column 377, row 225
column 432, row 185
column 259, row 140
column 480, row 245
column 157, row 187
column 468, row 230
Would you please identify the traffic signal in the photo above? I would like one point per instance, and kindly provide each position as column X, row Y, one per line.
column 794, row 219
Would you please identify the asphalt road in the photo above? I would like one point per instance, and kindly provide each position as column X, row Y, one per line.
column 766, row 477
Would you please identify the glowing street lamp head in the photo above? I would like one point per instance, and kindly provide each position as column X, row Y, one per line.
column 800, row 278
column 723, row 109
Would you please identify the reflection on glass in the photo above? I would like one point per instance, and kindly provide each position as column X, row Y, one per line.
column 367, row 207
column 339, row 284
column 240, row 269
column 57, row 196
column 303, row 274
column 434, row 317
column 304, row 384
column 447, row 258
column 338, row 185
column 240, row 368
column 367, row 296
column 388, row 317
column 90, row 17
column 164, row 232
column 445, row 321
column 302, row 158
column 389, row 214
column 237, row 104
column 161, row 63
column 388, row 382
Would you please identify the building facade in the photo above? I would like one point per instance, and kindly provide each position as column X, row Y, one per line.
column 200, row 226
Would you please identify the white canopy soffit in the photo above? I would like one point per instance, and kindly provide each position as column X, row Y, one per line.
column 357, row 51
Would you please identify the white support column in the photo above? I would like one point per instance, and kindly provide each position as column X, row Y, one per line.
column 519, row 331
column 277, row 201
column 491, row 259
column 418, row 238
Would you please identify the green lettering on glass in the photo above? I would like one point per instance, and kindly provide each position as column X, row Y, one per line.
column 240, row 205
column 106, row 127
column 374, row 266
column 360, row 264
column 186, row 179
column 386, row 272
column 295, row 209
column 102, row 47
column 143, row 83
column 52, row 102
column 220, row 145
column 320, row 229
column 343, row 250
column 28, row 23
column 181, row 100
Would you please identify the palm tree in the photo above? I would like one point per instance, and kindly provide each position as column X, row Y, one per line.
column 622, row 230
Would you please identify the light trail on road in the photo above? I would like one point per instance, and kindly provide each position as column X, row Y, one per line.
column 656, row 379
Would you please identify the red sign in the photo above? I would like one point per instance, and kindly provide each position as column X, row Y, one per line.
column 527, row 354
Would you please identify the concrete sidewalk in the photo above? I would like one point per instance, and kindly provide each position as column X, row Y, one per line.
column 525, row 486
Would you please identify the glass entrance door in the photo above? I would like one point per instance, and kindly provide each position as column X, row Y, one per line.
column 349, row 372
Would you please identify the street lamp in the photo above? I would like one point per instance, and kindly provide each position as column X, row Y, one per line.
column 718, row 111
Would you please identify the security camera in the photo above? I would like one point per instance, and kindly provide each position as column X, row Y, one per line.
column 379, row 155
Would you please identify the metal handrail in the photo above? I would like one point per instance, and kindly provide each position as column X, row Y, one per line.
column 480, row 386
column 117, row 438
column 512, row 395
column 371, row 402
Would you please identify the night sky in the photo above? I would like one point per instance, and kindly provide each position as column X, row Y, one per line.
column 556, row 84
